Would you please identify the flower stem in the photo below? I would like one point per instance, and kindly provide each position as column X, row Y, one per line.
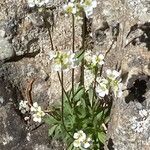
column 94, row 87
column 84, row 30
column 62, row 101
column 73, row 49
column 48, row 26
column 60, row 80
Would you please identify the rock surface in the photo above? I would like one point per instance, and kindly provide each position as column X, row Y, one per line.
column 123, row 26
column 6, row 50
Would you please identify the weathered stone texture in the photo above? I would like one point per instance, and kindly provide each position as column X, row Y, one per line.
column 24, row 56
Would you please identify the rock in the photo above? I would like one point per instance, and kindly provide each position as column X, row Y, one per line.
column 6, row 50
column 14, row 131
column 123, row 22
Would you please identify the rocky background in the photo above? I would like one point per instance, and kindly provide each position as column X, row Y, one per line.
column 120, row 27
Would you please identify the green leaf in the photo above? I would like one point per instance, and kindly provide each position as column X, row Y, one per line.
column 79, row 93
column 107, row 119
column 51, row 130
column 80, row 55
column 51, row 120
column 102, row 137
column 68, row 109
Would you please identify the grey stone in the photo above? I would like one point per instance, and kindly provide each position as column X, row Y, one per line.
column 6, row 50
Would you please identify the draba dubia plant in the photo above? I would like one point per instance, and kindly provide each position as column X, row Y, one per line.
column 80, row 120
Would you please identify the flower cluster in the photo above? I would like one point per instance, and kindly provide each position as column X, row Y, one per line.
column 38, row 113
column 102, row 88
column 70, row 8
column 81, row 140
column 141, row 124
column 73, row 7
column 39, row 3
column 63, row 60
column 23, row 106
column 111, row 82
column 93, row 60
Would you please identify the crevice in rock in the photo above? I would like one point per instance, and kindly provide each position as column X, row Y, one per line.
column 137, row 87
column 28, row 55
column 144, row 38
column 110, row 144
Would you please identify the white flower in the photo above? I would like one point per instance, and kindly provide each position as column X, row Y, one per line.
column 98, row 59
column 87, row 56
column 36, row 118
column 81, row 140
column 102, row 90
column 76, row 143
column 38, row 113
column 38, row 3
column 26, row 118
column 112, row 75
column 34, row 107
column 70, row 8
column 23, row 106
column 93, row 60
column 52, row 55
column 87, row 143
column 64, row 61
column 88, row 6
column 31, row 3
column 117, row 87
column 80, row 135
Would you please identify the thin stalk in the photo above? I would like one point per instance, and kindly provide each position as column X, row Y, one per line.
column 49, row 31
column 84, row 30
column 94, row 87
column 62, row 102
column 60, row 80
column 73, row 50
column 73, row 33
column 50, row 36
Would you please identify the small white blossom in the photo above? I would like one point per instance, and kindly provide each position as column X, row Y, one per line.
column 87, row 143
column 93, row 60
column 102, row 90
column 39, row 3
column 79, row 135
column 112, row 74
column 88, row 6
column 26, row 118
column 114, row 82
column 76, row 143
column 34, row 107
column 81, row 140
column 38, row 113
column 117, row 87
column 64, row 61
column 98, row 60
column 52, row 55
column 70, row 8
column 23, row 106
